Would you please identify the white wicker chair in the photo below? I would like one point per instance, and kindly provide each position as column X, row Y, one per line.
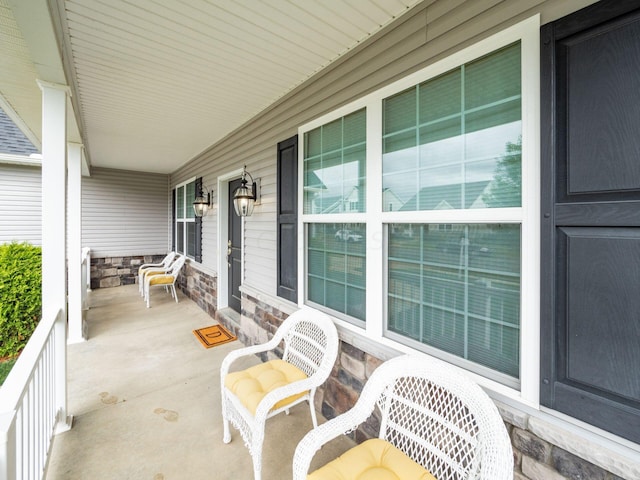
column 310, row 345
column 434, row 415
column 148, row 267
column 166, row 279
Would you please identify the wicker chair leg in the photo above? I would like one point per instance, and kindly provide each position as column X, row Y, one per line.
column 314, row 419
column 257, row 462
column 175, row 294
column 226, row 435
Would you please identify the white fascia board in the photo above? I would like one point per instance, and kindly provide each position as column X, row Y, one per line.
column 31, row 160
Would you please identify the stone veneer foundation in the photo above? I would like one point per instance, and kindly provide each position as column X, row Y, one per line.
column 200, row 287
column 116, row 271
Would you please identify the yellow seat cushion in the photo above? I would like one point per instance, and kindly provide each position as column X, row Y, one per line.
column 161, row 280
column 375, row 459
column 252, row 384
column 147, row 271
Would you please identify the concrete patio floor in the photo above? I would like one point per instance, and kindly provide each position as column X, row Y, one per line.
column 145, row 398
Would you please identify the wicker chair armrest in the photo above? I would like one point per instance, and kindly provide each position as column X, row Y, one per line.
column 160, row 270
column 163, row 264
column 316, row 438
column 157, row 271
column 148, row 265
column 246, row 352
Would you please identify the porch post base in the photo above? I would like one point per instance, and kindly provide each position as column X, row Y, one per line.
column 63, row 425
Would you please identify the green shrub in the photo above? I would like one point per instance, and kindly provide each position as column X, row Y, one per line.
column 5, row 368
column 20, row 295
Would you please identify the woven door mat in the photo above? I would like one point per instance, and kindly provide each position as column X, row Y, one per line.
column 214, row 335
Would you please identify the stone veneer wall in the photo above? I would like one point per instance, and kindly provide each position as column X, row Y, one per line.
column 116, row 271
column 200, row 287
column 534, row 458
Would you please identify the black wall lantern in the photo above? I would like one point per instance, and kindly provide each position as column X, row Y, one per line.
column 202, row 203
column 244, row 197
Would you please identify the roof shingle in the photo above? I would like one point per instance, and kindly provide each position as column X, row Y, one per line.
column 12, row 140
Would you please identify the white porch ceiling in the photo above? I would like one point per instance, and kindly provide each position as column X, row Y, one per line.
column 159, row 81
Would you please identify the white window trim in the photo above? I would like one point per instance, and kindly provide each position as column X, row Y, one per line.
column 183, row 220
column 528, row 216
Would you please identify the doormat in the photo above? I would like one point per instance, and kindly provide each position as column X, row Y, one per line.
column 214, row 335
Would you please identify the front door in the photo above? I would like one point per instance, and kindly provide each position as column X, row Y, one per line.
column 234, row 251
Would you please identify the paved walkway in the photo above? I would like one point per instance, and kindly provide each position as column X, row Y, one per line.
column 145, row 398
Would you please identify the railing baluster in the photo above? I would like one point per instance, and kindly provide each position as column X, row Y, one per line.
column 19, row 442
column 40, row 435
column 37, row 413
column 26, row 438
column 29, row 433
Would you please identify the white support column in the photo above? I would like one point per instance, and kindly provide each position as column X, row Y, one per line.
column 77, row 330
column 54, row 268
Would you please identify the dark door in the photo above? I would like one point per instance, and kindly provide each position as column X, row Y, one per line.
column 591, row 216
column 234, row 251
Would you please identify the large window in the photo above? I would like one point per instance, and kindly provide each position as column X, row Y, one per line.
column 454, row 143
column 185, row 219
column 419, row 209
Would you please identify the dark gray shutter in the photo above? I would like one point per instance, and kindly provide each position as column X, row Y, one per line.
column 288, row 219
column 173, row 220
column 590, row 256
column 198, row 234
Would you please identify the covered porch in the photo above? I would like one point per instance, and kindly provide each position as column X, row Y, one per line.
column 138, row 108
column 146, row 399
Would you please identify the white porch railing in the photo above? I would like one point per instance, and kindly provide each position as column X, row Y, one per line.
column 33, row 401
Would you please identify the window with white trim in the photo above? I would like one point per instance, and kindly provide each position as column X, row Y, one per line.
column 185, row 219
column 454, row 143
column 334, row 163
column 431, row 186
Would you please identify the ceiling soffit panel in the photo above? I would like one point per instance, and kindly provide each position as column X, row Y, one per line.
column 159, row 81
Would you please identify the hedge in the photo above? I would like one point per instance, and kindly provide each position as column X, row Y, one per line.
column 20, row 295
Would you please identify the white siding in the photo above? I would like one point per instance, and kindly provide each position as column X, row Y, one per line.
column 433, row 30
column 20, row 204
column 125, row 213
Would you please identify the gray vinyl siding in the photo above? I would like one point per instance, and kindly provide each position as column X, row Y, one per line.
column 20, row 204
column 430, row 32
column 125, row 213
